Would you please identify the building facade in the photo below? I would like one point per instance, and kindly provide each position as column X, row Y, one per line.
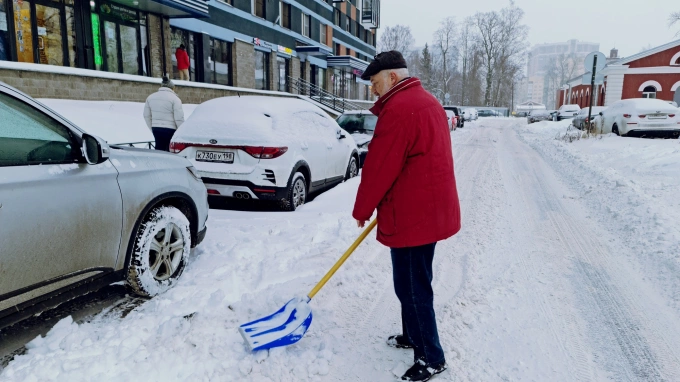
column 654, row 73
column 257, row 44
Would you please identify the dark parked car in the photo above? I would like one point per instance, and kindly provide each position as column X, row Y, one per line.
column 539, row 115
column 487, row 113
column 581, row 118
column 459, row 115
column 361, row 125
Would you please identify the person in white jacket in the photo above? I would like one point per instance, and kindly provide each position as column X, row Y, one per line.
column 163, row 114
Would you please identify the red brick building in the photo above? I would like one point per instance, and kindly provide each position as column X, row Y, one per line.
column 654, row 73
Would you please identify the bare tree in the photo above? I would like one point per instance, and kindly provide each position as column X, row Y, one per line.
column 673, row 19
column 489, row 26
column 445, row 53
column 398, row 37
column 466, row 42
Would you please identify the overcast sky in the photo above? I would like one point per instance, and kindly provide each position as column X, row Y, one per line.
column 626, row 25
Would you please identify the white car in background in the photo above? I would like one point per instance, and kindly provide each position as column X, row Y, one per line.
column 266, row 148
column 641, row 116
column 451, row 119
column 470, row 114
column 567, row 111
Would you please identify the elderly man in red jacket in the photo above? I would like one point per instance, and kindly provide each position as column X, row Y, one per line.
column 408, row 177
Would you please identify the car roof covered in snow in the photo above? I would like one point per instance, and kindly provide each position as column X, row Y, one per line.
column 260, row 119
column 648, row 103
column 361, row 112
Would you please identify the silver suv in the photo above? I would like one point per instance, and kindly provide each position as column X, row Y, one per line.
column 76, row 214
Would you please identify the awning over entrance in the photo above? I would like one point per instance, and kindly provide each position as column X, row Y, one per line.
column 356, row 65
column 170, row 8
column 313, row 51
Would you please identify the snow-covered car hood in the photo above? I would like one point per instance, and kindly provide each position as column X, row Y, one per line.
column 361, row 138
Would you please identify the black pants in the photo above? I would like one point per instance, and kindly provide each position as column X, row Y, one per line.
column 412, row 273
column 163, row 135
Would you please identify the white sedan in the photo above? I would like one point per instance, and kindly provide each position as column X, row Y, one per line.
column 266, row 148
column 641, row 116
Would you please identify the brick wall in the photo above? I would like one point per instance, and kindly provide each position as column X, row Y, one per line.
column 71, row 86
column 243, row 64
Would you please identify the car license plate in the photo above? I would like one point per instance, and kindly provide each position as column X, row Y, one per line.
column 656, row 116
column 215, row 156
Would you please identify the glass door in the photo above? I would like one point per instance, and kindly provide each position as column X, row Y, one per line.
column 111, row 46
column 129, row 49
column 50, row 47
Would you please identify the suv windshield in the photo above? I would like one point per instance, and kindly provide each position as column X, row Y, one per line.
column 358, row 123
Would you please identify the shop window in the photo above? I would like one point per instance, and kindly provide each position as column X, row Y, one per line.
column 284, row 71
column 321, row 78
column 261, row 8
column 177, row 38
column 120, row 27
column 306, row 25
column 261, row 70
column 220, row 65
column 649, row 92
column 285, row 15
column 23, row 31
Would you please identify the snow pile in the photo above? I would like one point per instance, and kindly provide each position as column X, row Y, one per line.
column 115, row 122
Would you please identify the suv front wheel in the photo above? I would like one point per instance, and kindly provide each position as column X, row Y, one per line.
column 160, row 253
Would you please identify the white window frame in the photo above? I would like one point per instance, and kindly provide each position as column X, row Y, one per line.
column 306, row 25
column 323, row 34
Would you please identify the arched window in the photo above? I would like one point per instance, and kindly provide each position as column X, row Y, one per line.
column 649, row 92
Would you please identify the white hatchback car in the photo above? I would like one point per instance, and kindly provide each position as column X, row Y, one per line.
column 568, row 111
column 641, row 116
column 266, row 148
column 77, row 214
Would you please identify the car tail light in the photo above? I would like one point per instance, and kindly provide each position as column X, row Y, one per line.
column 176, row 147
column 264, row 152
column 642, row 115
column 626, row 116
column 671, row 115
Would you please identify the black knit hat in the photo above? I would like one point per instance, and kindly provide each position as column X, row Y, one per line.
column 383, row 61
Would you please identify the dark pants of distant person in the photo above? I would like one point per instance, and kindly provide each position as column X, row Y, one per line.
column 412, row 273
column 163, row 135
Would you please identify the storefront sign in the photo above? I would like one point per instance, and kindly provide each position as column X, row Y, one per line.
column 98, row 60
column 264, row 44
column 283, row 49
column 3, row 21
column 113, row 10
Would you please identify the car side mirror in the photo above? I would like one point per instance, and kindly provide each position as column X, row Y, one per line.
column 95, row 150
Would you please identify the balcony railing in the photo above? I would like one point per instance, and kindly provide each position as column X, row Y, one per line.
column 321, row 96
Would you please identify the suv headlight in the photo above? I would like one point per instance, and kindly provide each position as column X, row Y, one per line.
column 192, row 170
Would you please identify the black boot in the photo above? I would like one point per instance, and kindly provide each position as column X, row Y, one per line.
column 421, row 372
column 400, row 342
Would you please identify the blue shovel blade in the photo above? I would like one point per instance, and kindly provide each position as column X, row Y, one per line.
column 284, row 327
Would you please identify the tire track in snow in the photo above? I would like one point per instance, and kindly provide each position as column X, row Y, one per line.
column 560, row 318
column 642, row 351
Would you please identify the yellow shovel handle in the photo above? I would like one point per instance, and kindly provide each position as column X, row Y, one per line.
column 344, row 257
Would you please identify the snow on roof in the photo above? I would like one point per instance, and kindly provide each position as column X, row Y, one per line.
column 646, row 53
column 253, row 119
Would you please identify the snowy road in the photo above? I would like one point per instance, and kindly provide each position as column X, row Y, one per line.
column 566, row 269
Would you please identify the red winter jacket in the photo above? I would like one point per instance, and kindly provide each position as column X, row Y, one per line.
column 182, row 59
column 408, row 172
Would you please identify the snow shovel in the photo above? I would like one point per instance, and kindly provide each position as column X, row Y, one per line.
column 287, row 325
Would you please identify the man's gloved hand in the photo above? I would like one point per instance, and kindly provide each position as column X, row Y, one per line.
column 361, row 223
